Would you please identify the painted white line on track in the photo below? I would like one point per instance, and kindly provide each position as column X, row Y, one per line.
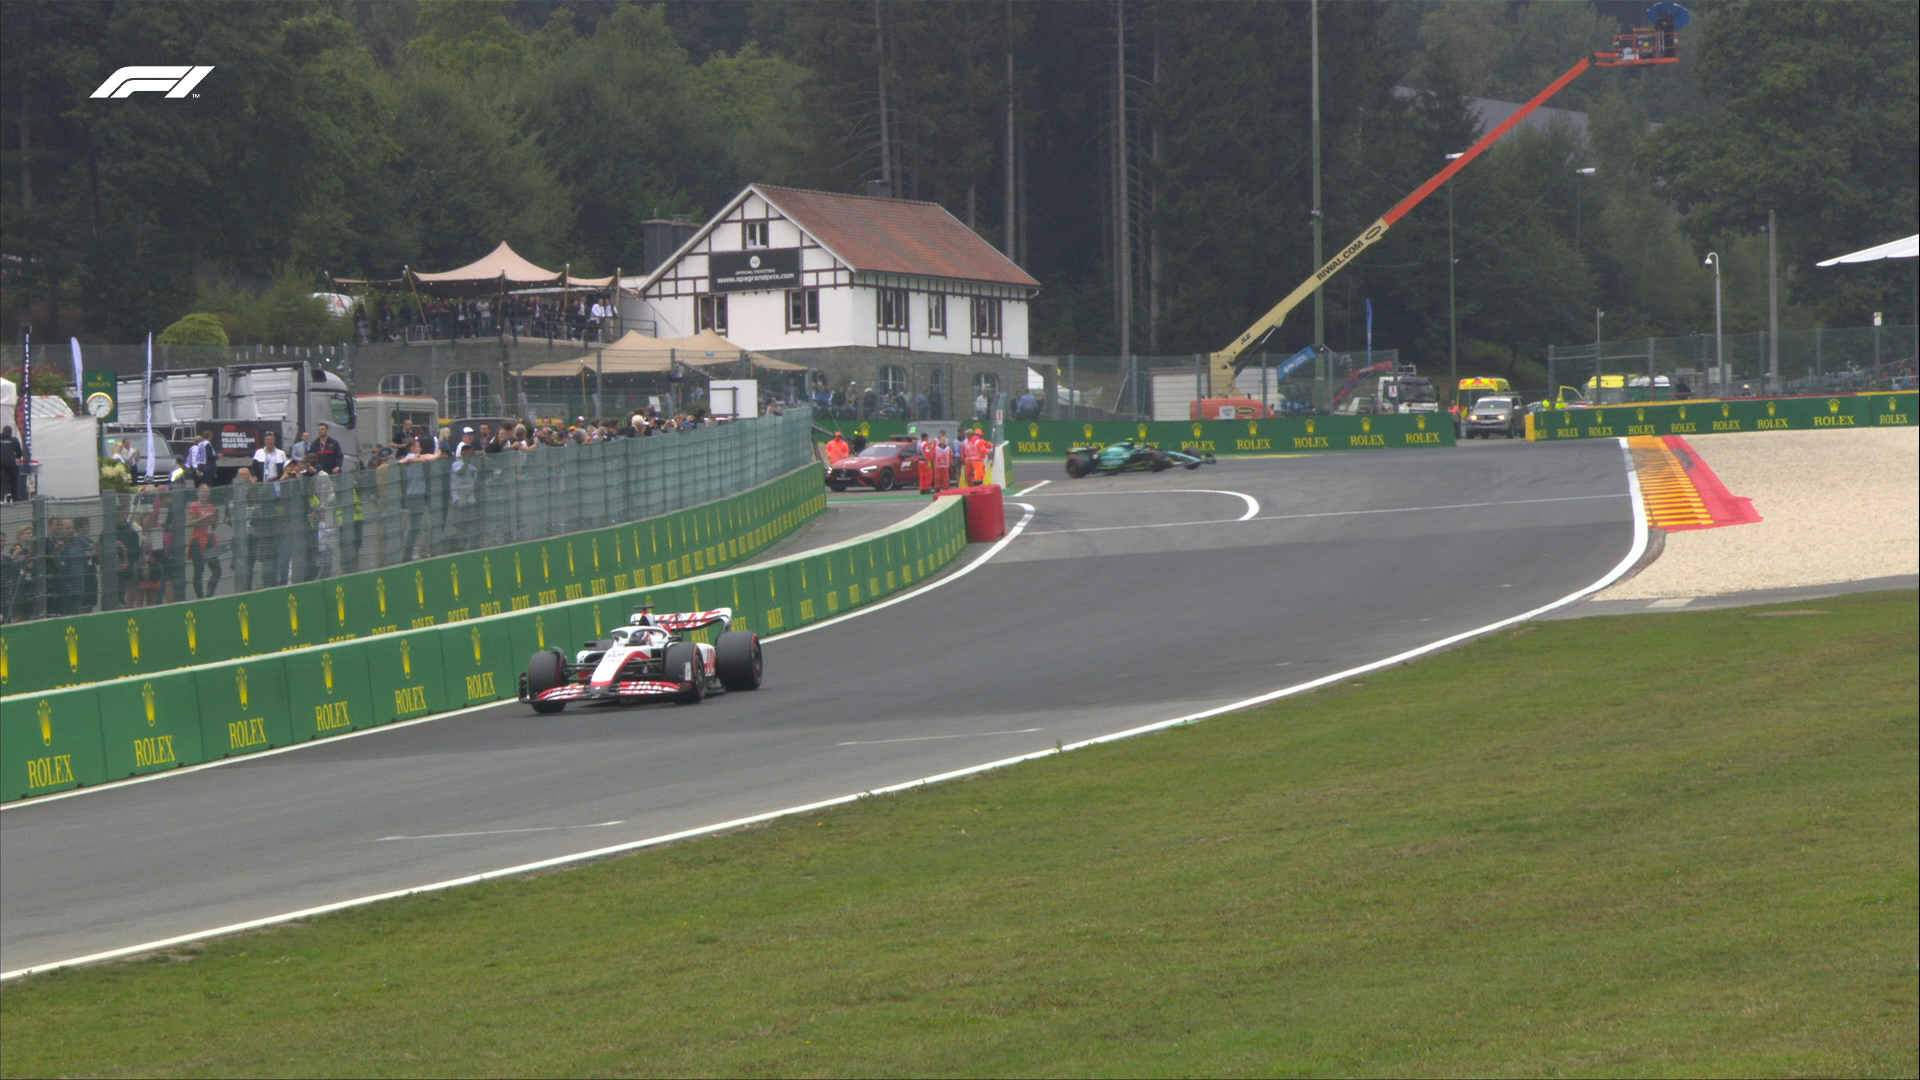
column 1318, row 514
column 937, row 738
column 120, row 785
column 999, row 546
column 1253, row 504
column 1022, row 493
column 500, row 832
column 1632, row 556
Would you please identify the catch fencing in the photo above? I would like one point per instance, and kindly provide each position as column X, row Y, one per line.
column 1819, row 361
column 135, row 549
column 854, row 390
column 172, row 715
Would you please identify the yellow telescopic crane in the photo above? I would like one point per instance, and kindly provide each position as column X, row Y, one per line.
column 1656, row 43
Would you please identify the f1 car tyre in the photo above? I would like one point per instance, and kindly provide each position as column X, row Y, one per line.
column 1157, row 460
column 1076, row 466
column 682, row 660
column 737, row 660
column 546, row 670
column 883, row 482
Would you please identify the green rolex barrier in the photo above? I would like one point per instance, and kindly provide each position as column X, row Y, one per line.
column 329, row 691
column 243, row 706
column 407, row 675
column 87, row 649
column 150, row 724
column 479, row 663
column 51, row 742
column 1051, row 439
column 123, row 727
column 1686, row 418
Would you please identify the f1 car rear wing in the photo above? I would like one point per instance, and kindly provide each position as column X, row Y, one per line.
column 683, row 621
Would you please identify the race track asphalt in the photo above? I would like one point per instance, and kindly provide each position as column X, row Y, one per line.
column 1127, row 600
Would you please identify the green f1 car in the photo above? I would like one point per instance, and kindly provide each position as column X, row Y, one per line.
column 1129, row 455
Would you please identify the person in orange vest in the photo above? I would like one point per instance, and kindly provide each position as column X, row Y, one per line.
column 942, row 463
column 836, row 450
column 978, row 450
column 926, row 469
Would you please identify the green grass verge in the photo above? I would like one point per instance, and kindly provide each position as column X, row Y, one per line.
column 1665, row 845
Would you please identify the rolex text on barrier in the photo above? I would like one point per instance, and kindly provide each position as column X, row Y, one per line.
column 150, row 724
column 78, row 650
column 1051, row 439
column 50, row 742
column 1826, row 413
column 244, row 707
column 328, row 691
column 62, row 739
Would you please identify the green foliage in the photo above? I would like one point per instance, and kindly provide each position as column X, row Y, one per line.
column 199, row 328
column 361, row 139
column 195, row 340
column 1820, row 122
column 470, row 38
column 287, row 313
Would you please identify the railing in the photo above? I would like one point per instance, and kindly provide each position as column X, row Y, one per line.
column 132, row 549
column 1818, row 361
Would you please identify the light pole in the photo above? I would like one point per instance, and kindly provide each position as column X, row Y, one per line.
column 1719, row 355
column 1453, row 326
column 1597, row 382
column 1577, row 191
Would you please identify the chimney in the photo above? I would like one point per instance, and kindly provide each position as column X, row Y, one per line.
column 660, row 238
column 656, row 242
column 879, row 189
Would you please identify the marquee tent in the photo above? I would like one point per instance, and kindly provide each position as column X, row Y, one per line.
column 635, row 353
column 503, row 270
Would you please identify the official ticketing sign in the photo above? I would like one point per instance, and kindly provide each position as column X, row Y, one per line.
column 753, row 271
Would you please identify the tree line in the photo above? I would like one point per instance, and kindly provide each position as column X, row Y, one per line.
column 1149, row 161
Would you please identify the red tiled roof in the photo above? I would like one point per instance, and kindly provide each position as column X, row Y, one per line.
column 895, row 236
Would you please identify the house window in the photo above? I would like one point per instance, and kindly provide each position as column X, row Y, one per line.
column 892, row 309
column 410, row 385
column 803, row 309
column 986, row 318
column 711, row 314
column 985, row 383
column 469, row 394
column 937, row 314
column 754, row 234
column 893, row 379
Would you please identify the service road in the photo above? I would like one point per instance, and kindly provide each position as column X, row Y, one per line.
column 1128, row 600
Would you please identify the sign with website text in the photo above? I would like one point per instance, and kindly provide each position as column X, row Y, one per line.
column 752, row 271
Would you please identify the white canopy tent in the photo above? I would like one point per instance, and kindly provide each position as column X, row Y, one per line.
column 1893, row 249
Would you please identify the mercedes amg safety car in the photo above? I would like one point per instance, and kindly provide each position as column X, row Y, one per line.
column 649, row 659
column 1128, row 455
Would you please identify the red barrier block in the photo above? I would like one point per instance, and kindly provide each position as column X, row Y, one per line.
column 986, row 514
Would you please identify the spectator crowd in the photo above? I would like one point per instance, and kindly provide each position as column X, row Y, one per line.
column 302, row 513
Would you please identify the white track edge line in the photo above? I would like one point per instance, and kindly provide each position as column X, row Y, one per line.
column 1626, row 563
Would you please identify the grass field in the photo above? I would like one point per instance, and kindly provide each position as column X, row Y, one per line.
column 1663, row 845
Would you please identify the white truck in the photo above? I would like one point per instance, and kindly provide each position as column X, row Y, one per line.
column 1405, row 392
column 240, row 405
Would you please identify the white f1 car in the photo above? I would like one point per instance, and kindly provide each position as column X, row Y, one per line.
column 649, row 659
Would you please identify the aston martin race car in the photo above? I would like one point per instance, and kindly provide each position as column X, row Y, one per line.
column 1128, row 455
column 649, row 659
